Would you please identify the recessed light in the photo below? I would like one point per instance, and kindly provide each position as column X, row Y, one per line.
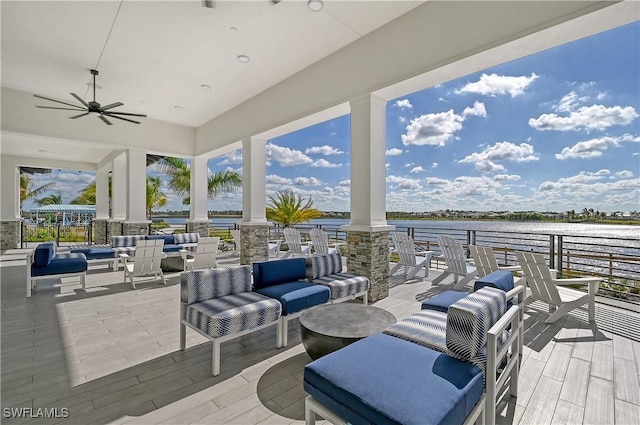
column 244, row 58
column 41, row 150
column 178, row 108
column 206, row 87
column 315, row 5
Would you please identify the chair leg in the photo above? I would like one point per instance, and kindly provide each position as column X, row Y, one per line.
column 183, row 336
column 83, row 280
column 440, row 278
column 365, row 298
column 162, row 276
column 215, row 361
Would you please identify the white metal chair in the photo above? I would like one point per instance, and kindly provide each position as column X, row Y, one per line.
column 294, row 241
column 410, row 257
column 546, row 287
column 235, row 234
column 457, row 264
column 204, row 256
column 485, row 261
column 320, row 242
column 145, row 261
column 274, row 248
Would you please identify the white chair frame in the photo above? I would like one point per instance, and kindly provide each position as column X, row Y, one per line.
column 31, row 280
column 457, row 263
column 204, row 256
column 294, row 241
column 145, row 262
column 320, row 242
column 410, row 257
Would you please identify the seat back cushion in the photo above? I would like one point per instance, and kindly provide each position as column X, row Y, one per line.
column 125, row 241
column 200, row 285
column 181, row 238
column 469, row 320
column 268, row 273
column 43, row 254
column 168, row 239
column 500, row 279
column 323, row 265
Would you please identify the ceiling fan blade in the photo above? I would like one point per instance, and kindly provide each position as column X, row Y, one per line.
column 80, row 99
column 106, row 121
column 54, row 100
column 78, row 116
column 64, row 109
column 125, row 113
column 112, row 105
column 123, row 119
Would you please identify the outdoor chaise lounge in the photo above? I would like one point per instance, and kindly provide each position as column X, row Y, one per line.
column 44, row 263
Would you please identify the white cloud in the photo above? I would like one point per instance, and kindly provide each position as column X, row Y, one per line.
column 323, row 150
column 434, row 181
column 602, row 95
column 582, row 178
column 408, row 164
column 402, row 119
column 307, row 181
column 404, row 103
column 495, row 85
column 624, row 174
column 286, row 157
column 393, row 152
column 437, row 128
column 323, row 163
column 232, row 158
column 569, row 102
column 501, row 151
column 403, row 183
column 594, row 148
column 434, row 165
column 275, row 179
column 594, row 117
column 509, row 177
column 345, row 183
column 417, row 169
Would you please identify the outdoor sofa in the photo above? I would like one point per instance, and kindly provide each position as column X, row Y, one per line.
column 326, row 269
column 45, row 263
column 172, row 243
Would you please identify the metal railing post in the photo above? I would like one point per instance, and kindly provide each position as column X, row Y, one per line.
column 560, row 249
column 58, row 236
column 552, row 251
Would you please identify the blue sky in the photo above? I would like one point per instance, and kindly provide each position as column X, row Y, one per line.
column 556, row 131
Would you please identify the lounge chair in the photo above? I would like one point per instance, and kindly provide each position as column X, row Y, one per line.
column 294, row 242
column 320, row 242
column 204, row 256
column 457, row 264
column 145, row 261
column 485, row 261
column 235, row 234
column 411, row 259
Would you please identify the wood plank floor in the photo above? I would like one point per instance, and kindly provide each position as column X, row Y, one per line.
column 111, row 356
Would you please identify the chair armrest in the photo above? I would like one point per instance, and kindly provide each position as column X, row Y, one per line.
column 577, row 281
column 184, row 253
column 123, row 255
column 510, row 268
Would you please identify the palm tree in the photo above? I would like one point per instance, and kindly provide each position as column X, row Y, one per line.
column 288, row 209
column 50, row 200
column 179, row 174
column 27, row 191
column 155, row 197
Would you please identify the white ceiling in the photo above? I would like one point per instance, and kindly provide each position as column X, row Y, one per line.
column 159, row 53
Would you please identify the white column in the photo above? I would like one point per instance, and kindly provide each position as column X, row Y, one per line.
column 254, row 191
column 136, row 186
column 199, row 208
column 102, row 194
column 9, row 190
column 368, row 172
column 119, row 187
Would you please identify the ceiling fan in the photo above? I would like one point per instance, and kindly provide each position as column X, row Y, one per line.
column 92, row 107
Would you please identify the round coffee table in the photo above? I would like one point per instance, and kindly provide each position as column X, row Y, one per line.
column 329, row 327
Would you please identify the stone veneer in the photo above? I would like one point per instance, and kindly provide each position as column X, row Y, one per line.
column 9, row 234
column 101, row 231
column 254, row 243
column 199, row 227
column 368, row 255
column 115, row 229
column 133, row 228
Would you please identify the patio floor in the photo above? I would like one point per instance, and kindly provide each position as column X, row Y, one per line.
column 112, row 356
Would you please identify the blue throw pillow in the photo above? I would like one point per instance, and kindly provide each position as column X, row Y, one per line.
column 43, row 254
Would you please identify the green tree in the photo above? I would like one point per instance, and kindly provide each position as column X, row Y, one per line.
column 50, row 200
column 155, row 197
column 179, row 173
column 27, row 191
column 288, row 209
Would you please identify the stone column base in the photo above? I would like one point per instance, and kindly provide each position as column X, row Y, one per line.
column 115, row 228
column 101, row 231
column 368, row 255
column 199, row 227
column 135, row 227
column 10, row 234
column 254, row 243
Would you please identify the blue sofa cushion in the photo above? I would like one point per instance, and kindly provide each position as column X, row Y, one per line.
column 61, row 264
column 267, row 273
column 168, row 239
column 95, row 253
column 443, row 301
column 424, row 387
column 296, row 296
column 171, row 248
column 500, row 279
column 43, row 254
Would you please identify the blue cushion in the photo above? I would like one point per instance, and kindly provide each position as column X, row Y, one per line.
column 443, row 301
column 500, row 279
column 168, row 239
column 171, row 248
column 366, row 383
column 267, row 273
column 62, row 263
column 43, row 254
column 296, row 296
column 95, row 253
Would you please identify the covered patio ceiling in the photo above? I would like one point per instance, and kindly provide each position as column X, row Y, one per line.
column 304, row 66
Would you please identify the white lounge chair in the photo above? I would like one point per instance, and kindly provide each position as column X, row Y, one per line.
column 485, row 261
column 320, row 242
column 410, row 258
column 235, row 234
column 457, row 264
column 204, row 256
column 546, row 287
column 274, row 248
column 294, row 242
column 145, row 261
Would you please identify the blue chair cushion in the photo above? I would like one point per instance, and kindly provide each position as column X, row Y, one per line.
column 43, row 254
column 168, row 239
column 399, row 383
column 296, row 296
column 500, row 279
column 443, row 301
column 95, row 253
column 171, row 248
column 267, row 273
column 61, row 264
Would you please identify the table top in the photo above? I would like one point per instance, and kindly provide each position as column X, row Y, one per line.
column 346, row 320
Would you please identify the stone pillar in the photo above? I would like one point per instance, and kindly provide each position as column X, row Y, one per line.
column 200, row 227
column 10, row 234
column 135, row 228
column 115, row 228
column 101, row 231
column 368, row 255
column 254, row 243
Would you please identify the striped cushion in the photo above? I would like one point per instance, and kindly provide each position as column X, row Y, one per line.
column 469, row 320
column 181, row 238
column 125, row 241
column 322, row 265
column 343, row 285
column 129, row 250
column 231, row 314
column 201, row 285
